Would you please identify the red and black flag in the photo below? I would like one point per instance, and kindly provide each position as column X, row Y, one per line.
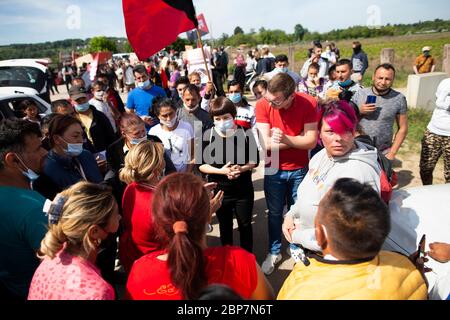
column 153, row 24
column 202, row 28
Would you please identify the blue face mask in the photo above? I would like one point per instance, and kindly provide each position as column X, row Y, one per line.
column 73, row 149
column 143, row 85
column 224, row 126
column 282, row 70
column 30, row 174
column 82, row 107
column 235, row 98
column 135, row 141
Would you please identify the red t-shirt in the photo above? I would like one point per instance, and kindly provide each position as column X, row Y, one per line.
column 149, row 278
column 291, row 121
column 139, row 236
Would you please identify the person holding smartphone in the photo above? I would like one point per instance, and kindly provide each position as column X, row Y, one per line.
column 377, row 119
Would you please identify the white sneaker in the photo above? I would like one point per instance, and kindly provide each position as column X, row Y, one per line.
column 269, row 264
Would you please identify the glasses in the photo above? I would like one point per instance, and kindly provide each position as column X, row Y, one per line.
column 276, row 104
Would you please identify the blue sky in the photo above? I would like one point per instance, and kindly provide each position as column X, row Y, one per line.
column 31, row 21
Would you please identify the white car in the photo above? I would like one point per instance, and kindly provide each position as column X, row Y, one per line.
column 9, row 105
column 422, row 211
column 25, row 76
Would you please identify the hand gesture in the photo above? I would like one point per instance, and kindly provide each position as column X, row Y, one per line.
column 288, row 227
column 235, row 172
column 367, row 108
column 209, row 88
column 277, row 135
column 226, row 169
column 216, row 202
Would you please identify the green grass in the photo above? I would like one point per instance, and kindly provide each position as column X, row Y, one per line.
column 407, row 48
column 418, row 120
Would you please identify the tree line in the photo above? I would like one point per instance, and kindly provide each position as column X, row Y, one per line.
column 252, row 38
column 275, row 37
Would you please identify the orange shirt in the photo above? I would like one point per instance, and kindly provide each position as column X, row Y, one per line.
column 423, row 64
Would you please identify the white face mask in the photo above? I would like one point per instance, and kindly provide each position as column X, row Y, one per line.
column 224, row 126
column 170, row 123
column 99, row 95
column 190, row 109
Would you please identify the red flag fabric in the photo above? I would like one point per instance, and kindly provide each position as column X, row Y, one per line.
column 153, row 24
column 202, row 27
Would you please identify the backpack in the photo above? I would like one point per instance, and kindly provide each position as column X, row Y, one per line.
column 388, row 177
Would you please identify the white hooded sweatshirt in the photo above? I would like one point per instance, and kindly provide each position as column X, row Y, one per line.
column 360, row 164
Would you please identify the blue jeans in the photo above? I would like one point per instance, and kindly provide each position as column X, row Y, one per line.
column 280, row 189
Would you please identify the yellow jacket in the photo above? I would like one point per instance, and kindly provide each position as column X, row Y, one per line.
column 389, row 276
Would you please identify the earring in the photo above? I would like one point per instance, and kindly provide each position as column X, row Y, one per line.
column 97, row 242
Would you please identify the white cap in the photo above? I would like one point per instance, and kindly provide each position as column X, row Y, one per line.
column 426, row 49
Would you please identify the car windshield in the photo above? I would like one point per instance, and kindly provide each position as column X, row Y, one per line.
column 19, row 76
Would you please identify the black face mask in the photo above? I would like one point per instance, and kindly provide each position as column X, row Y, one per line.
column 356, row 50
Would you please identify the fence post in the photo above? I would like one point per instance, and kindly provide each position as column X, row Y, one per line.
column 291, row 58
column 387, row 56
column 446, row 58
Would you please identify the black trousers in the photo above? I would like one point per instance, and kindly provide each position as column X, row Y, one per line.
column 242, row 208
column 218, row 82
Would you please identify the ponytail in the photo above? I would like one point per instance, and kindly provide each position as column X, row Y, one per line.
column 187, row 266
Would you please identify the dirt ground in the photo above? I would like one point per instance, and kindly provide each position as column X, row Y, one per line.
column 406, row 165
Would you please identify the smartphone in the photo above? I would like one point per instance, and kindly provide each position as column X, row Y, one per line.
column 421, row 247
column 371, row 100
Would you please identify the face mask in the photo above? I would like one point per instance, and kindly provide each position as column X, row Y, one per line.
column 282, row 70
column 73, row 149
column 30, row 174
column 223, row 126
column 199, row 85
column 82, row 107
column 190, row 109
column 346, row 83
column 143, row 85
column 311, row 78
column 235, row 98
column 170, row 123
column 135, row 141
column 99, row 95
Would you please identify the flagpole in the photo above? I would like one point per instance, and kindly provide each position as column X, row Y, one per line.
column 203, row 54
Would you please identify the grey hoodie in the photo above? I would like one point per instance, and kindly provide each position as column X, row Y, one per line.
column 360, row 164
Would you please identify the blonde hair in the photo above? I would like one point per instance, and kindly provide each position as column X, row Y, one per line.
column 143, row 162
column 194, row 74
column 87, row 204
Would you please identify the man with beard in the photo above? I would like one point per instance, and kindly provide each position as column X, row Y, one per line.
column 379, row 107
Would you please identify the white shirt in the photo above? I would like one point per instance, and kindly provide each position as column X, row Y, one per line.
column 104, row 108
column 177, row 142
column 268, row 76
column 323, row 72
column 440, row 121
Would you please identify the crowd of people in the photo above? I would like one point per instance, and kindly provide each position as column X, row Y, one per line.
column 100, row 180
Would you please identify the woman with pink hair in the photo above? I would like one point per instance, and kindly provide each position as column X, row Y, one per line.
column 341, row 157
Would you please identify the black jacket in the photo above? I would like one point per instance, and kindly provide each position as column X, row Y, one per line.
column 101, row 131
column 115, row 157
